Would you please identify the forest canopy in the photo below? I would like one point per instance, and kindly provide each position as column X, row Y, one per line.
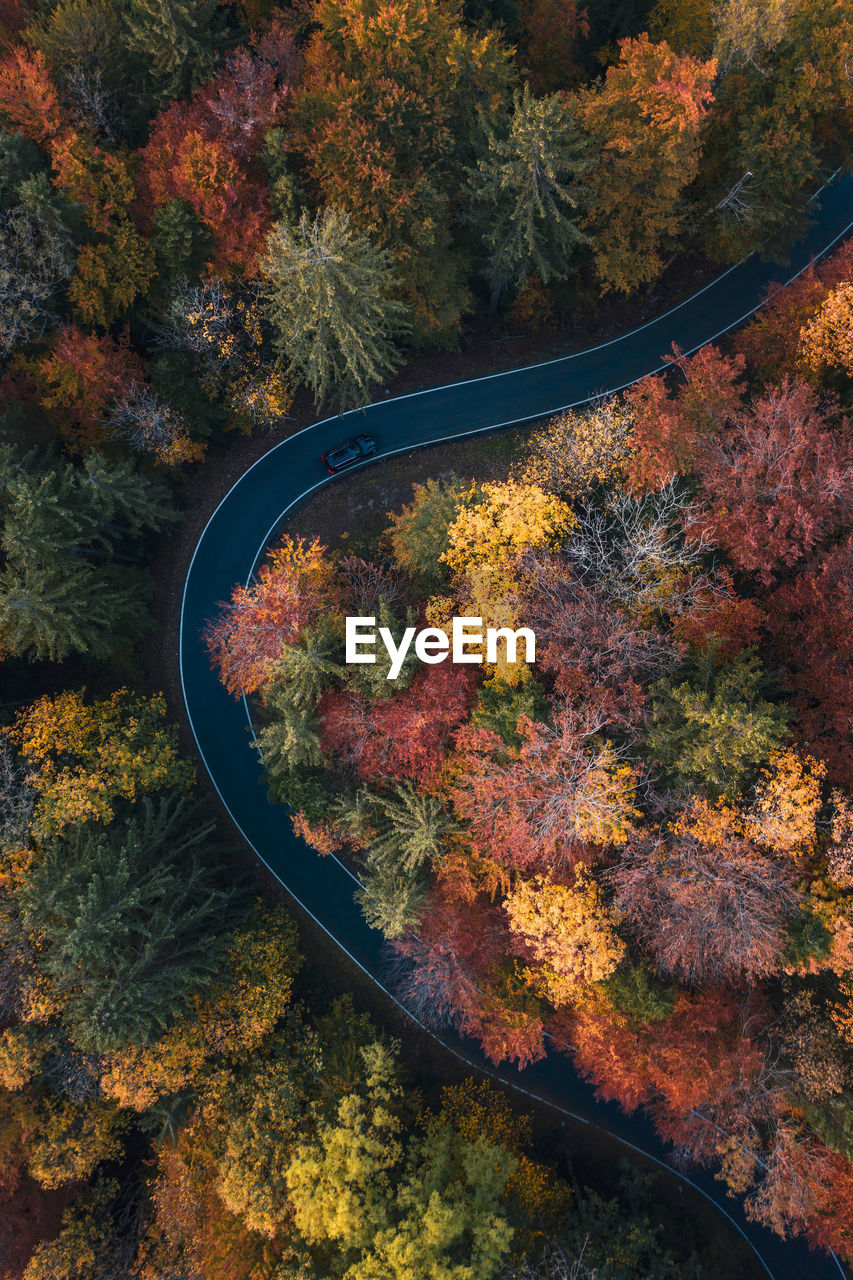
column 637, row 848
column 220, row 220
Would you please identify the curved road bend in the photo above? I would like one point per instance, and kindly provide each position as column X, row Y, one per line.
column 250, row 515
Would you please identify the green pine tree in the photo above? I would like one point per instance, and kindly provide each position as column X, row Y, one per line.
column 715, row 730
column 310, row 666
column 180, row 41
column 118, row 494
column 371, row 678
column 419, row 532
column 410, row 828
column 53, row 609
column 391, row 900
column 69, row 584
column 329, row 299
column 527, row 195
column 291, row 739
column 182, row 245
column 404, row 831
column 129, row 920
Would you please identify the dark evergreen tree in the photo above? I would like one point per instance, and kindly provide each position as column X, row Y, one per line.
column 51, row 609
column 527, row 192
column 180, row 41
column 69, row 583
column 130, row 921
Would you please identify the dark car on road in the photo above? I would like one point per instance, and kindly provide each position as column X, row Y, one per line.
column 347, row 455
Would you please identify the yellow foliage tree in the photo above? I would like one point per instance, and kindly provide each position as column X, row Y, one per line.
column 232, row 1018
column 826, row 342
column 787, row 802
column 227, row 334
column 475, row 1109
column 72, row 1139
column 495, row 524
column 842, row 1012
column 568, row 931
column 505, row 520
column 110, row 275
column 82, row 757
column 340, row 1184
column 576, row 451
column 113, row 271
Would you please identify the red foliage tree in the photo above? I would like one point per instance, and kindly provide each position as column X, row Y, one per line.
column 695, row 1054
column 811, row 618
column 720, row 619
column 206, row 151
column 450, row 974
column 291, row 589
column 778, row 482
column 79, row 377
column 403, row 737
column 536, row 807
column 771, row 342
column 669, row 427
column 705, row 902
column 28, row 96
column 829, row 1225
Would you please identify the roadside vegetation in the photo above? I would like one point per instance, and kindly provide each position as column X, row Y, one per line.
column 639, row 847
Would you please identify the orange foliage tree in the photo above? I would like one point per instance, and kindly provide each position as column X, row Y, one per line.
column 705, row 1053
column 668, row 427
column 771, row 341
column 292, row 588
column 28, row 96
column 207, row 152
column 79, row 377
column 646, row 120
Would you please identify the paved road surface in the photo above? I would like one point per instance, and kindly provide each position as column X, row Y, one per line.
column 252, row 513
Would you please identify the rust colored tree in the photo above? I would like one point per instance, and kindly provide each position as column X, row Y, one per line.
column 778, row 483
column 535, row 807
column 451, row 974
column 703, row 899
column 811, row 619
column 669, row 425
column 206, row 152
column 247, row 639
column 404, row 737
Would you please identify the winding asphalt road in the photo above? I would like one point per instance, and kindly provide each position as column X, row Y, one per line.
column 252, row 513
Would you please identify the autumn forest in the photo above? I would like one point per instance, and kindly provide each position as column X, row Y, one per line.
column 219, row 221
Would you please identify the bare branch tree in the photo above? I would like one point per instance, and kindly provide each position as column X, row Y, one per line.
column 36, row 261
